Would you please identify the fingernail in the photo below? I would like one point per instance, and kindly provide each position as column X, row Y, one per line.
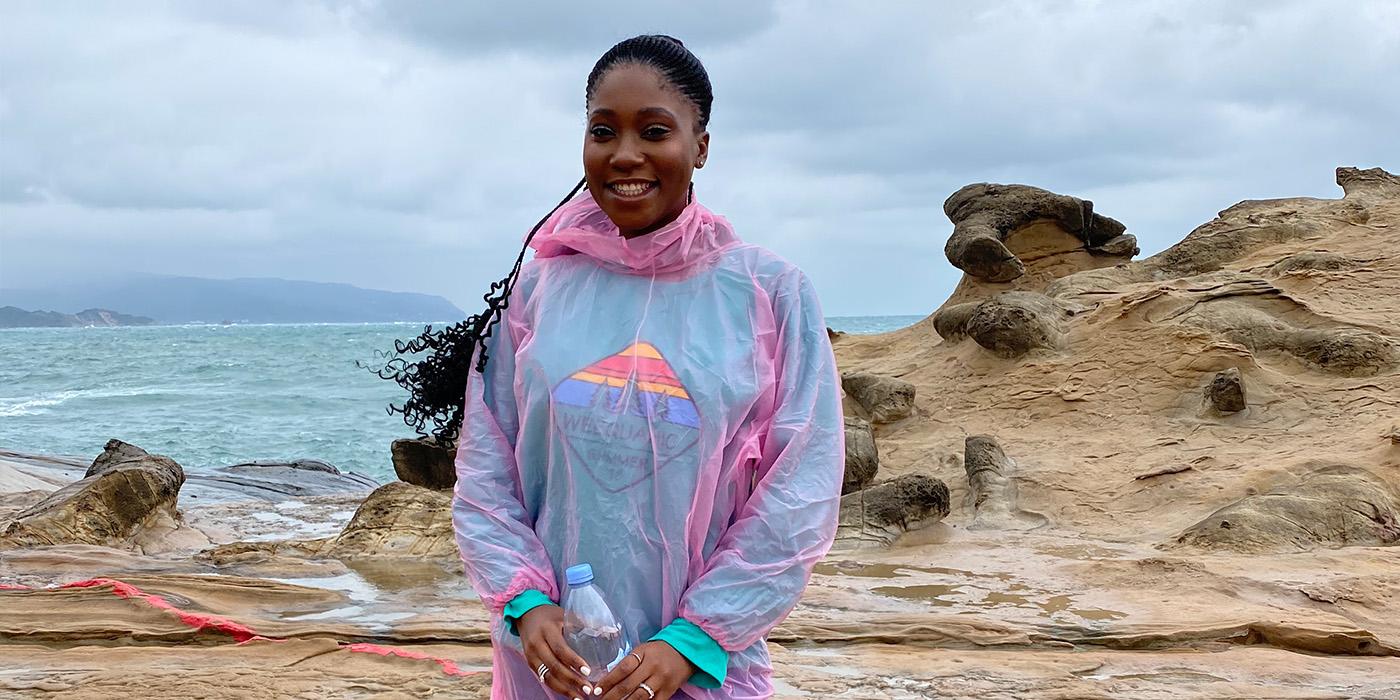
column 584, row 670
column 580, row 698
column 587, row 690
column 597, row 691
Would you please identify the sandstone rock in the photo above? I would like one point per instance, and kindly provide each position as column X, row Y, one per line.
column 1312, row 260
column 1335, row 506
column 884, row 399
column 275, row 480
column 990, row 489
column 425, row 462
column 862, row 458
column 398, row 520
column 1226, row 391
column 1338, row 349
column 1009, row 324
column 876, row 516
column 113, row 453
column 129, row 492
column 984, row 215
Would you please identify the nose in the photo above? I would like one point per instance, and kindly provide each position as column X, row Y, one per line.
column 628, row 154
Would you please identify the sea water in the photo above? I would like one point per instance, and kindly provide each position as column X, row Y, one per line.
column 212, row 395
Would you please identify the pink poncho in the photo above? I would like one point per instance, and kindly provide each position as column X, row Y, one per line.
column 667, row 409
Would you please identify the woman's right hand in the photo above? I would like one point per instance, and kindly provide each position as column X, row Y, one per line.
column 542, row 636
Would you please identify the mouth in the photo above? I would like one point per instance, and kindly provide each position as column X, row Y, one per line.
column 632, row 189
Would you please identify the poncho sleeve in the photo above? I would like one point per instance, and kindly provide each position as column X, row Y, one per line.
column 757, row 572
column 501, row 553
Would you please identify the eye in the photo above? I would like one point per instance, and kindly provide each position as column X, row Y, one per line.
column 600, row 132
column 655, row 131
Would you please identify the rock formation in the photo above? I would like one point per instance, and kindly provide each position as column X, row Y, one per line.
column 127, row 492
column 397, row 520
column 883, row 399
column 1009, row 324
column 425, row 462
column 1334, row 506
column 877, row 516
column 862, row 458
column 985, row 215
column 990, row 490
column 1226, row 393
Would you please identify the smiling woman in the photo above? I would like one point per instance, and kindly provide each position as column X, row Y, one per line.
column 644, row 337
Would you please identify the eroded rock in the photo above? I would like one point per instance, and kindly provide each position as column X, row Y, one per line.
column 397, row 520
column 1009, row 324
column 876, row 516
column 884, row 399
column 1225, row 393
column 991, row 492
column 425, row 462
column 985, row 214
column 115, row 452
column 1337, row 349
column 1335, row 506
column 128, row 493
column 862, row 458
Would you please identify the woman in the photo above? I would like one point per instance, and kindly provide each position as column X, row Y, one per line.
column 660, row 402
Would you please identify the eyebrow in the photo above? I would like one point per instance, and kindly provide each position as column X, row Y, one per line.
column 660, row 111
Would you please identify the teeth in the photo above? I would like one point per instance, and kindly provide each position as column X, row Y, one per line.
column 630, row 189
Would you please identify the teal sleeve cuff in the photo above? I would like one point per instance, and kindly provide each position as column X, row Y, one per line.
column 528, row 600
column 698, row 648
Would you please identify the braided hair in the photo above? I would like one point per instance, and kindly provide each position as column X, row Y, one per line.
column 437, row 382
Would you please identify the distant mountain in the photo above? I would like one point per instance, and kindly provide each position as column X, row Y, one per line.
column 170, row 299
column 14, row 317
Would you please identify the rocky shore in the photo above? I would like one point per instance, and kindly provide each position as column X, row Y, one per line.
column 1082, row 476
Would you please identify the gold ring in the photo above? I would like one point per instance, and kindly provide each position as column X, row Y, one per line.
column 639, row 659
column 650, row 693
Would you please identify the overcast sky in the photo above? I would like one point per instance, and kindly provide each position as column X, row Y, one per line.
column 410, row 145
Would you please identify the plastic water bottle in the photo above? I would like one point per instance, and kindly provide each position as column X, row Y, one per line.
column 590, row 627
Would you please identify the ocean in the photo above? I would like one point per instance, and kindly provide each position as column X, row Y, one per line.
column 212, row 395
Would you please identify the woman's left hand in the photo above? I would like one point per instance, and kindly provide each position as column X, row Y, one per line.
column 661, row 668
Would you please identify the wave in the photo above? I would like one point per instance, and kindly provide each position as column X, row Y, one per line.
column 32, row 405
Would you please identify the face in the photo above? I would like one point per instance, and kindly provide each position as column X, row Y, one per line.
column 641, row 148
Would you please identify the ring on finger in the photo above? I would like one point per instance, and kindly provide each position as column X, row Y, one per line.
column 636, row 656
column 541, row 671
column 650, row 693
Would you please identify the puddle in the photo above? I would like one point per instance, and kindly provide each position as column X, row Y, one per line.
column 931, row 593
column 854, row 568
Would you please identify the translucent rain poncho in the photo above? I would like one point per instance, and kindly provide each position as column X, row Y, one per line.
column 667, row 409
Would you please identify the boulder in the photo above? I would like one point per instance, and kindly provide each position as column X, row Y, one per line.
column 1226, row 391
column 425, row 462
column 862, row 458
column 877, row 516
column 397, row 520
column 884, row 399
column 1335, row 506
column 128, row 492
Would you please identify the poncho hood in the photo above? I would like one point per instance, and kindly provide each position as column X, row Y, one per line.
column 582, row 228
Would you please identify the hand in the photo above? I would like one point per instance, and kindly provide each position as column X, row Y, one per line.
column 662, row 668
column 542, row 636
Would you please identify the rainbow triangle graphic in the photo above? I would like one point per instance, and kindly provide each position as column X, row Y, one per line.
column 657, row 391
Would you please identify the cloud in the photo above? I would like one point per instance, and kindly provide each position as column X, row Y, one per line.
column 410, row 145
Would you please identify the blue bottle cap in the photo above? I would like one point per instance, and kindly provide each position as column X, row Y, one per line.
column 579, row 574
